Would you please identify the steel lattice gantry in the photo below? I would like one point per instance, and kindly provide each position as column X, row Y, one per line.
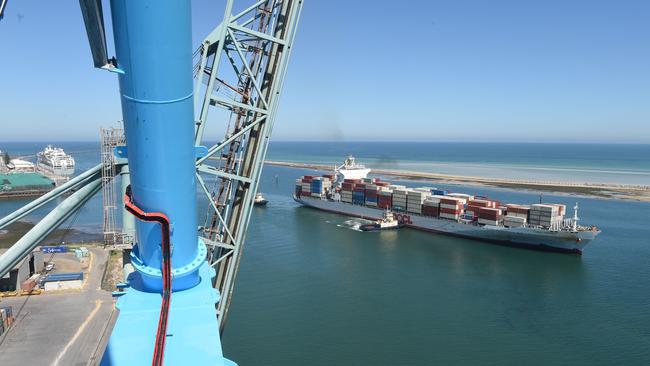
column 240, row 68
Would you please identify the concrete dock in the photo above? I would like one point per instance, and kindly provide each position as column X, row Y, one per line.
column 65, row 327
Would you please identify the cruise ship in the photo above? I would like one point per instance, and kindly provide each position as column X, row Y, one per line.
column 349, row 191
column 55, row 161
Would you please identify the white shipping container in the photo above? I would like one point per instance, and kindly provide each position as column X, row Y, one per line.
column 489, row 222
column 461, row 195
column 453, row 207
column 457, row 199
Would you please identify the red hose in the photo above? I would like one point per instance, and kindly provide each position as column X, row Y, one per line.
column 163, row 220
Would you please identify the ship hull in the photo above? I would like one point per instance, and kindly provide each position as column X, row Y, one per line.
column 59, row 171
column 529, row 238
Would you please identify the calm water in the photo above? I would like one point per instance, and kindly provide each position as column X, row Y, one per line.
column 593, row 163
column 313, row 291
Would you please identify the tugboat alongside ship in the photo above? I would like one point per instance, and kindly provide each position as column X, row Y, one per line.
column 348, row 191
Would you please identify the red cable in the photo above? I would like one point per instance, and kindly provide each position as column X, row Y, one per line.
column 163, row 220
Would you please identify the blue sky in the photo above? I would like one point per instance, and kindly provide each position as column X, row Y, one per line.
column 552, row 71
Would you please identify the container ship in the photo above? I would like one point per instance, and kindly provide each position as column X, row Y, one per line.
column 349, row 191
column 55, row 161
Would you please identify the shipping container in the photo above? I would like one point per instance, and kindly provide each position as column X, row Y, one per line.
column 465, row 196
column 489, row 222
column 430, row 211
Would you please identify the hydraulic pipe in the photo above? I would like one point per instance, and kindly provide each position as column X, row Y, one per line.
column 154, row 55
column 39, row 202
column 128, row 221
column 49, row 223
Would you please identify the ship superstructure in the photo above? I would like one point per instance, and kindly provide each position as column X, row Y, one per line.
column 55, row 161
column 536, row 226
column 350, row 170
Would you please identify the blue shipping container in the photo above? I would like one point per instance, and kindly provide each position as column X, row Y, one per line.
column 439, row 192
column 54, row 249
column 64, row 277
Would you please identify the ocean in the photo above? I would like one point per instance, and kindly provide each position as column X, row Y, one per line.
column 312, row 290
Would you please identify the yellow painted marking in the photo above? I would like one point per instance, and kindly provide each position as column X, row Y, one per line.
column 98, row 304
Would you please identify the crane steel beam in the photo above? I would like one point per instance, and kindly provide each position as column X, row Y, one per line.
column 47, row 225
column 249, row 86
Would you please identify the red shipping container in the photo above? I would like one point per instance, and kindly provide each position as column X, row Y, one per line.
column 383, row 204
column 518, row 209
column 430, row 211
column 473, row 208
column 449, row 201
column 489, row 213
column 450, row 210
column 384, row 199
column 352, row 180
column 481, row 203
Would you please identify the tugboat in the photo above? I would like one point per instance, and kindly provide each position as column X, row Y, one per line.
column 387, row 222
column 260, row 200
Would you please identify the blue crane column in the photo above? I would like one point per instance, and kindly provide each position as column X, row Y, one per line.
column 153, row 48
column 154, row 62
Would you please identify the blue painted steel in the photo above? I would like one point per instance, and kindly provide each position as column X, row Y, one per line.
column 54, row 249
column 64, row 277
column 193, row 336
column 153, row 47
column 439, row 192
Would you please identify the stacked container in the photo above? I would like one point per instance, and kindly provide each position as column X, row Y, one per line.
column 385, row 198
column 306, row 185
column 489, row 216
column 359, row 194
column 319, row 186
column 399, row 199
column 431, row 206
column 298, row 187
column 473, row 206
column 347, row 188
column 561, row 209
column 467, row 197
column 544, row 215
column 414, row 200
column 372, row 191
column 516, row 215
column 439, row 192
column 451, row 207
